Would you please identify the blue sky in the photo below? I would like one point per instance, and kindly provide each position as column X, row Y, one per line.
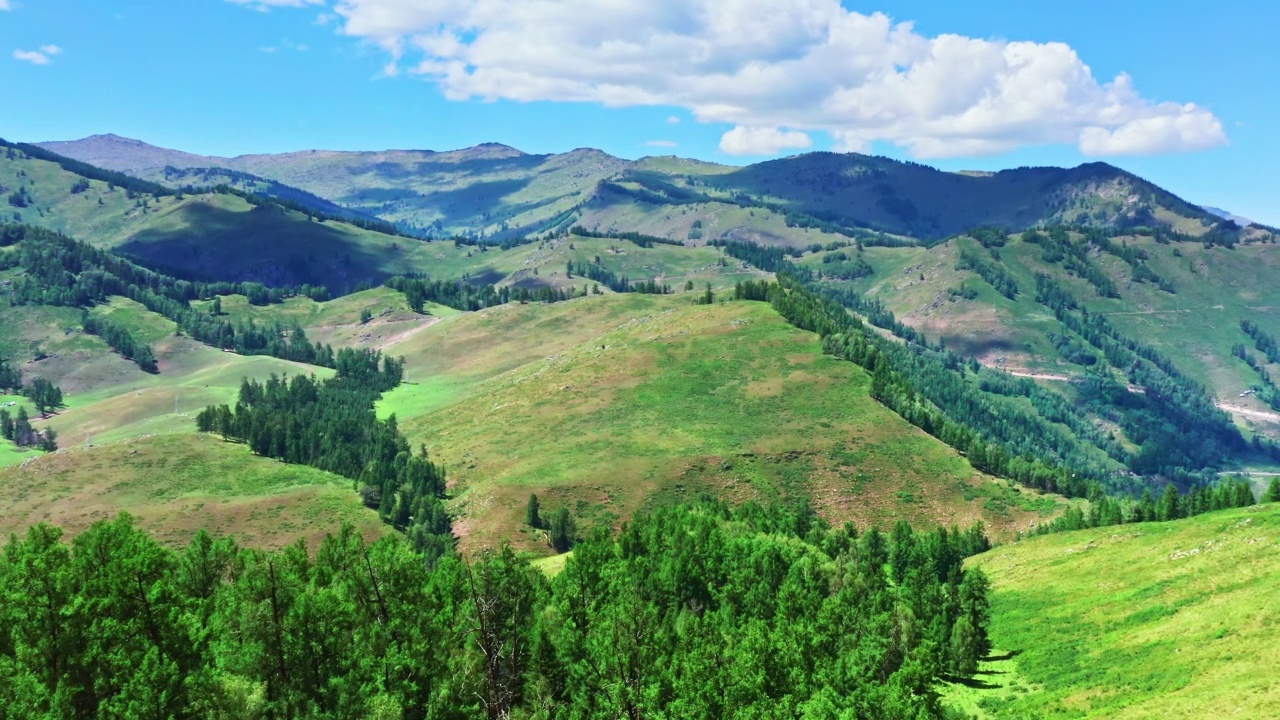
column 983, row 84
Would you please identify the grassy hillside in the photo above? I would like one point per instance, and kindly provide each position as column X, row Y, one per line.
column 208, row 236
column 1157, row 620
column 177, row 484
column 1196, row 325
column 605, row 405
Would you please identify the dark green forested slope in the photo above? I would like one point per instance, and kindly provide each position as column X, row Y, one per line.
column 691, row 612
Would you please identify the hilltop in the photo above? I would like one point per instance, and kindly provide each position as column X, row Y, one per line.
column 493, row 190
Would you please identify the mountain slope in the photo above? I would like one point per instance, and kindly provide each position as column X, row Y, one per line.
column 501, row 192
column 1183, row 299
column 614, row 403
column 1156, row 620
column 490, row 189
column 209, row 236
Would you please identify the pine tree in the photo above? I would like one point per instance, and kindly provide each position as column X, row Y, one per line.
column 531, row 517
column 563, row 530
column 1273, row 491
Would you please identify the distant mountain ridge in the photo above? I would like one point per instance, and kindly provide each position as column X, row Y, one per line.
column 499, row 192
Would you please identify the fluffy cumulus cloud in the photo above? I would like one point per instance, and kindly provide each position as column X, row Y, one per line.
column 777, row 71
column 43, row 56
column 762, row 141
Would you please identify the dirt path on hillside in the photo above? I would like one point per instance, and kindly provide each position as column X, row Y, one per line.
column 403, row 336
column 1038, row 376
column 1249, row 412
column 1263, row 415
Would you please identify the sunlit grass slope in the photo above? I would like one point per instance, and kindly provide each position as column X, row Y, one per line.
column 1158, row 620
column 606, row 405
column 178, row 484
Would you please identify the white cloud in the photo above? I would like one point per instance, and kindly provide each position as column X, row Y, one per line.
column 762, row 141
column 51, row 50
column 4, row 5
column 662, row 143
column 265, row 5
column 673, row 120
column 1147, row 136
column 35, row 57
column 806, row 65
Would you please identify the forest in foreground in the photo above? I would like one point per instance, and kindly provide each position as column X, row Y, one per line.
column 693, row 611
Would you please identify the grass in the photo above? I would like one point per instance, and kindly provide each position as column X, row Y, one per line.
column 191, row 377
column 627, row 401
column 1154, row 620
column 177, row 484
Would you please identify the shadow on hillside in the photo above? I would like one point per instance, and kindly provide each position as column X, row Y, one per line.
column 264, row 244
column 969, row 346
column 974, row 683
column 1007, row 656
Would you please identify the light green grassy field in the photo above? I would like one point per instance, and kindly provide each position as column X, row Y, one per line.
column 630, row 400
column 177, row 484
column 1156, row 620
column 191, row 374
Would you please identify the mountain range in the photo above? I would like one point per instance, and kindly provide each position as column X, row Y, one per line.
column 495, row 191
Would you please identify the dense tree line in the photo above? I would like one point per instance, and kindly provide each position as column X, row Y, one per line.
column 18, row 430
column 695, row 612
column 989, row 237
column 644, row 241
column 775, row 260
column 1107, row 510
column 931, row 387
column 928, row 386
column 331, row 425
column 839, row 266
column 10, row 377
column 991, row 271
column 17, row 427
column 1173, row 419
column 112, row 178
column 606, row 277
column 1265, row 389
column 456, row 294
column 1264, row 342
column 62, row 271
column 120, row 340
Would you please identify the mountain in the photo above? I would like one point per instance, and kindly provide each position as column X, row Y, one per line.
column 1226, row 215
column 121, row 154
column 232, row 235
column 495, row 191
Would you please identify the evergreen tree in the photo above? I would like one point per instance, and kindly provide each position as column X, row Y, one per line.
column 531, row 517
column 1273, row 491
column 563, row 530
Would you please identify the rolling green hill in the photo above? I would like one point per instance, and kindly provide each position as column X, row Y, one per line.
column 1156, row 620
column 610, row 404
column 175, row 485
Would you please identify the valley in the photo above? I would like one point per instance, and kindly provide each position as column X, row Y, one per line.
column 539, row 363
